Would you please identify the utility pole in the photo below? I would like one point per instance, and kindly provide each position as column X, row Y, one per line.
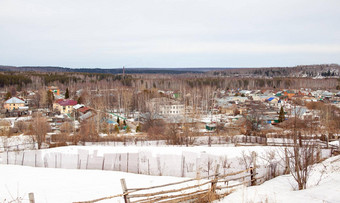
column 123, row 76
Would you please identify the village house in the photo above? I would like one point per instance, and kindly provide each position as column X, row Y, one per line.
column 245, row 92
column 54, row 90
column 288, row 94
column 165, row 107
column 64, row 106
column 84, row 113
column 14, row 103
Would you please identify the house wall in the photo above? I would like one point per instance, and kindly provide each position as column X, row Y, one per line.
column 56, row 106
column 171, row 109
column 66, row 109
column 13, row 106
column 228, row 111
column 62, row 109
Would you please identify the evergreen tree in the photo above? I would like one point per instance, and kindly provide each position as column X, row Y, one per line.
column 128, row 129
column 67, row 94
column 80, row 100
column 138, row 128
column 118, row 120
column 116, row 129
column 281, row 115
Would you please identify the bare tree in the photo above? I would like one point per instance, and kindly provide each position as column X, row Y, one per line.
column 39, row 128
column 301, row 155
column 172, row 135
column 66, row 127
column 87, row 132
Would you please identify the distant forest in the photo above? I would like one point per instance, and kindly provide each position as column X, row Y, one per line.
column 323, row 70
column 108, row 71
column 315, row 77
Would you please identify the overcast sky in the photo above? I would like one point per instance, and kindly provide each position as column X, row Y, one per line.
column 169, row 33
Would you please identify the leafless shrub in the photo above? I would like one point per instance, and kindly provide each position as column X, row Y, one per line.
column 21, row 126
column 245, row 159
column 87, row 132
column 154, row 128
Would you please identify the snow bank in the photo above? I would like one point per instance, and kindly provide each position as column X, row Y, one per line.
column 323, row 186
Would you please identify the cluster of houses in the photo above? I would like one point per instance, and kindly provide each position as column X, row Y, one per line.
column 227, row 106
column 230, row 106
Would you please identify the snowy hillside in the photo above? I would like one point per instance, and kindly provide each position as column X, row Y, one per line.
column 323, row 186
column 67, row 185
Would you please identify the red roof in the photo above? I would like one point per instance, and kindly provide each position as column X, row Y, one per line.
column 59, row 100
column 66, row 102
column 83, row 109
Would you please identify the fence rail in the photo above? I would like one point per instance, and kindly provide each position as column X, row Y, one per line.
column 204, row 190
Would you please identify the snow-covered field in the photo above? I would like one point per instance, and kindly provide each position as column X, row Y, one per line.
column 68, row 185
column 323, row 186
column 70, row 182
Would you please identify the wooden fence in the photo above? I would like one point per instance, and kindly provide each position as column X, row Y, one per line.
column 317, row 143
column 204, row 189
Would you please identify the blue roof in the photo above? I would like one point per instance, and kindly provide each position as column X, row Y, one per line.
column 271, row 98
column 111, row 122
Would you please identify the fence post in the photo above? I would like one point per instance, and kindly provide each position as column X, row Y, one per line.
column 124, row 188
column 214, row 182
column 103, row 163
column 253, row 169
column 183, row 165
column 127, row 162
column 318, row 154
column 287, row 171
column 31, row 197
column 23, row 158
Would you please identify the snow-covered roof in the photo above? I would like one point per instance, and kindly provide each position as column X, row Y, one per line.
column 327, row 94
column 78, row 106
column 14, row 100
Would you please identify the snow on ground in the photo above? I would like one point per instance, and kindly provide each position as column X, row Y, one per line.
column 280, row 189
column 334, row 143
column 19, row 142
column 66, row 185
column 12, row 120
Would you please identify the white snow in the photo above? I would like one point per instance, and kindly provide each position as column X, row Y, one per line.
column 67, row 185
column 323, row 186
